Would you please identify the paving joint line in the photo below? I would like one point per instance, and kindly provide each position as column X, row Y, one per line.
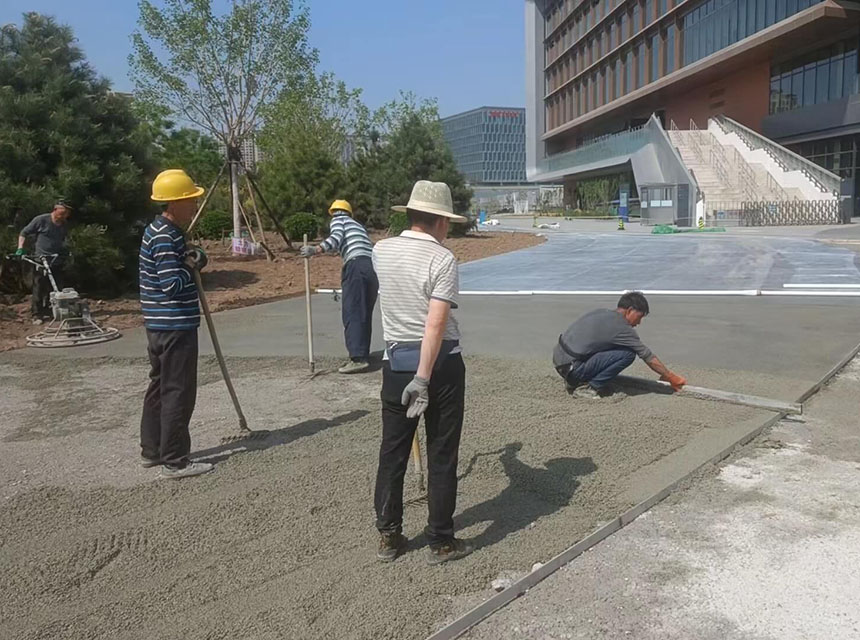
column 519, row 588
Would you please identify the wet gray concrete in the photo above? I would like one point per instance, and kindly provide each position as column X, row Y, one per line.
column 793, row 338
column 620, row 260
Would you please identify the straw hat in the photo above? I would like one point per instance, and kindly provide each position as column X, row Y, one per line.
column 431, row 197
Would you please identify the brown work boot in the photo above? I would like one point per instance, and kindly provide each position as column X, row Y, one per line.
column 454, row 549
column 391, row 545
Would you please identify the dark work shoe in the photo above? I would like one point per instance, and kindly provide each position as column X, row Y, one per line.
column 391, row 545
column 148, row 463
column 454, row 549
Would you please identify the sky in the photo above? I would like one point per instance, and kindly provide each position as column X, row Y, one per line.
column 465, row 53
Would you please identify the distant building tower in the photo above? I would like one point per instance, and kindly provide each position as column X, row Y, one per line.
column 489, row 144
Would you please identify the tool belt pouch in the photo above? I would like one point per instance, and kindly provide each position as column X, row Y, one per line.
column 403, row 357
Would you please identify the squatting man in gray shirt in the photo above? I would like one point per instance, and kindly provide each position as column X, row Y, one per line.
column 601, row 344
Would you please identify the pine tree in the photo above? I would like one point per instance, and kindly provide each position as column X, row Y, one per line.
column 63, row 133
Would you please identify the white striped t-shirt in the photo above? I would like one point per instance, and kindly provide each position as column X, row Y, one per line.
column 413, row 268
column 347, row 237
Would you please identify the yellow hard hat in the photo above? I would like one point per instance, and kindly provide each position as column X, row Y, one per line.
column 174, row 184
column 339, row 205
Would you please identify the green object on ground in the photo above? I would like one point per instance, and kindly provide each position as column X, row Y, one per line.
column 666, row 229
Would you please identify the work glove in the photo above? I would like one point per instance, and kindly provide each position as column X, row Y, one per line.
column 307, row 251
column 21, row 252
column 416, row 397
column 675, row 380
column 196, row 258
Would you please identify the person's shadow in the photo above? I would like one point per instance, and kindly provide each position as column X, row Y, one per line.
column 533, row 492
column 261, row 440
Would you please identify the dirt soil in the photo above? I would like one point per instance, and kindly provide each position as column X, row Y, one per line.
column 236, row 281
column 278, row 542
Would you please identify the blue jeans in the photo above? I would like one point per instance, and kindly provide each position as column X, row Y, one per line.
column 601, row 368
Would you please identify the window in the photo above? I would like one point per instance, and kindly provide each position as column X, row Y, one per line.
column 628, row 72
column 669, row 58
column 662, row 8
column 640, row 65
column 655, row 57
column 618, row 73
column 649, row 12
column 636, row 21
column 623, row 33
column 606, row 85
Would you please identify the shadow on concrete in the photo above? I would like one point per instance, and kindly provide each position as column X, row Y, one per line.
column 532, row 493
column 262, row 440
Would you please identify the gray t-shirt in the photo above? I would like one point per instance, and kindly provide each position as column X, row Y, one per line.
column 596, row 331
column 50, row 237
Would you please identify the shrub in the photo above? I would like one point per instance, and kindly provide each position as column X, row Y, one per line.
column 398, row 222
column 460, row 229
column 97, row 264
column 299, row 224
column 213, row 224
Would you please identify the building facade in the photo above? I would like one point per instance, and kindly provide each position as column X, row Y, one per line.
column 784, row 69
column 489, row 144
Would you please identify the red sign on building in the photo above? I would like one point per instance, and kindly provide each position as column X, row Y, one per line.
column 504, row 114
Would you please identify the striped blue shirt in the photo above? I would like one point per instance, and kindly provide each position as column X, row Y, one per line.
column 168, row 294
column 347, row 237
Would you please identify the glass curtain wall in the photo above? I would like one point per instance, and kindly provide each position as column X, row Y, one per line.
column 830, row 73
column 716, row 24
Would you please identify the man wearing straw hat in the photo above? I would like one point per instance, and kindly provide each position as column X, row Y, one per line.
column 423, row 373
column 358, row 282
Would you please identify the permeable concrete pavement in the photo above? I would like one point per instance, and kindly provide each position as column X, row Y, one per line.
column 618, row 261
column 789, row 342
column 766, row 548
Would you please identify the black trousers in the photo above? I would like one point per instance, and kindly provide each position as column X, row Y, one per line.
column 360, row 289
column 40, row 305
column 443, row 421
column 170, row 398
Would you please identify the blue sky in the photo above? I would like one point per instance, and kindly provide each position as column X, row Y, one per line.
column 465, row 53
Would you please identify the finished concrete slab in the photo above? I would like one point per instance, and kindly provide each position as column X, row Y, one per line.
column 619, row 261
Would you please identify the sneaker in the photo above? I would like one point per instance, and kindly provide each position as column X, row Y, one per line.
column 191, row 469
column 391, row 545
column 454, row 549
column 354, row 366
column 586, row 392
column 38, row 321
column 148, row 463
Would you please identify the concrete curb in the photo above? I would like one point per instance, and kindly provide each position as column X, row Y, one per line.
column 520, row 587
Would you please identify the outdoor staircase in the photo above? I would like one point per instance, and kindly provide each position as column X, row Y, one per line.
column 722, row 173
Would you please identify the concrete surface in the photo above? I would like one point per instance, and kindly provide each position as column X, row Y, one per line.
column 617, row 261
column 278, row 542
column 769, row 337
column 767, row 548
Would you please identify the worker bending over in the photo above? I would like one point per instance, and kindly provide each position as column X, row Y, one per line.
column 171, row 315
column 423, row 372
column 50, row 231
column 601, row 344
column 358, row 282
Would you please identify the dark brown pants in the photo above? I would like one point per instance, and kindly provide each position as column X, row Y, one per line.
column 170, row 398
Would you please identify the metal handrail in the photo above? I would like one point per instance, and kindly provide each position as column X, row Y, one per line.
column 823, row 179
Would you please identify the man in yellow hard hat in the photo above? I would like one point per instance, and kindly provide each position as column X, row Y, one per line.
column 171, row 315
column 358, row 282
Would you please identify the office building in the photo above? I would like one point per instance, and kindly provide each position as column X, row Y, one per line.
column 691, row 86
column 489, row 144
